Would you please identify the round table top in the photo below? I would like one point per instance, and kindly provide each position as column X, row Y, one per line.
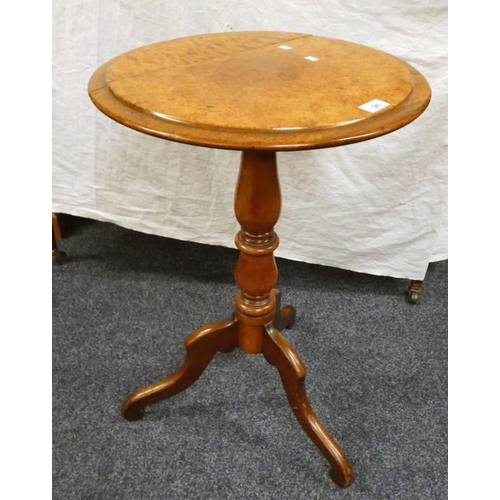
column 260, row 90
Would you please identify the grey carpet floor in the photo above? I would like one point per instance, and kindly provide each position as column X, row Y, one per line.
column 377, row 378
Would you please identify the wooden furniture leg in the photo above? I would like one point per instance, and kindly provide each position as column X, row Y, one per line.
column 284, row 317
column 258, row 317
column 258, row 304
column 56, row 227
column 57, row 256
column 201, row 346
column 280, row 353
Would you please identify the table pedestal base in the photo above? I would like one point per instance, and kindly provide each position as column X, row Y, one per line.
column 222, row 336
column 258, row 318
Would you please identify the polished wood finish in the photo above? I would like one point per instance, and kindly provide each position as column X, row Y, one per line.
column 257, row 207
column 258, row 315
column 201, row 346
column 284, row 317
column 222, row 336
column 257, row 92
column 281, row 354
column 58, row 256
column 56, row 226
column 244, row 90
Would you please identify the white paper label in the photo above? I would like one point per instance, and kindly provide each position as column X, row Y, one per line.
column 374, row 105
column 311, row 58
column 284, row 47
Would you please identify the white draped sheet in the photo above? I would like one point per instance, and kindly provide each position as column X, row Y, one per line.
column 378, row 207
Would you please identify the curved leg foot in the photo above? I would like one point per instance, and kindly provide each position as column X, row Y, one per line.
column 279, row 353
column 285, row 317
column 201, row 346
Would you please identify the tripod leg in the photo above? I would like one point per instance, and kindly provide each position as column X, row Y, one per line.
column 279, row 353
column 201, row 346
column 285, row 317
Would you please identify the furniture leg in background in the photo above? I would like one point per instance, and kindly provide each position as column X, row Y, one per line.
column 414, row 291
column 57, row 255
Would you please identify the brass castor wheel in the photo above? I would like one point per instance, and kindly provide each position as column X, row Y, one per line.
column 414, row 291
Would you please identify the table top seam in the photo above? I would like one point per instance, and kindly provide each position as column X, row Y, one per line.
column 198, row 62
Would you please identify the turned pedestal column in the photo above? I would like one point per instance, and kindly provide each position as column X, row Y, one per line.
column 257, row 208
column 254, row 327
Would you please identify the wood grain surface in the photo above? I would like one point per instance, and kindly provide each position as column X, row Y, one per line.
column 259, row 90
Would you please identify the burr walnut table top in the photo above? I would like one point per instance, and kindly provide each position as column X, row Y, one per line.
column 260, row 90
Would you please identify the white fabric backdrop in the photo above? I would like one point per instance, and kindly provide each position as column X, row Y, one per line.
column 378, row 207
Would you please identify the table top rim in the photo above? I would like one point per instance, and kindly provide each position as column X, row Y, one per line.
column 253, row 138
